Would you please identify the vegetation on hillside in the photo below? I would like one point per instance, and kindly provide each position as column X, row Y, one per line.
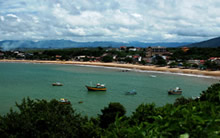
column 194, row 53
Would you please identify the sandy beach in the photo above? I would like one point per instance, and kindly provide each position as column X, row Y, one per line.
column 128, row 66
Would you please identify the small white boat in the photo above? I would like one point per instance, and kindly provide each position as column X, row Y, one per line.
column 64, row 101
column 133, row 92
column 153, row 76
column 57, row 84
column 176, row 91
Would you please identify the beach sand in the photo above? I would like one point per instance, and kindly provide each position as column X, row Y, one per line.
column 126, row 66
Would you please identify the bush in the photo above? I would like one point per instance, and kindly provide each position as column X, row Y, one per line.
column 39, row 118
column 212, row 94
column 182, row 100
column 107, row 59
column 110, row 113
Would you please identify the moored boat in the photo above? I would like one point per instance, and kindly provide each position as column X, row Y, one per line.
column 133, row 92
column 98, row 87
column 57, row 84
column 64, row 101
column 176, row 91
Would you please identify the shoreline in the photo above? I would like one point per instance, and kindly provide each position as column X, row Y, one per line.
column 126, row 66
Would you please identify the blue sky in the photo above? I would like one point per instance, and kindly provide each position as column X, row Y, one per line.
column 110, row 20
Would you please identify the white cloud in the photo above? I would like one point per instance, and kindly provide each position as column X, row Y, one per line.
column 77, row 31
column 101, row 20
column 2, row 18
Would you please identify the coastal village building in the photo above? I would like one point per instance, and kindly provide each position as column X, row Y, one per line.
column 155, row 51
column 197, row 62
column 185, row 49
column 80, row 58
column 58, row 57
column 215, row 59
column 137, row 58
column 123, row 48
column 132, row 49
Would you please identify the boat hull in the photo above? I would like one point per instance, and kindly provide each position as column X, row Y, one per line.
column 57, row 84
column 96, row 88
column 130, row 93
column 174, row 93
column 64, row 101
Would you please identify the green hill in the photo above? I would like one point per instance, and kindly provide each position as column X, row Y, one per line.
column 212, row 43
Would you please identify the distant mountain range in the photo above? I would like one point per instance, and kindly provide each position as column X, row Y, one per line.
column 55, row 44
column 215, row 42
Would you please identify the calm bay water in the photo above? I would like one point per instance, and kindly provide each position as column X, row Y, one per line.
column 19, row 80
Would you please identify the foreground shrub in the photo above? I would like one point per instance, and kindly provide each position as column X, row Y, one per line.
column 212, row 94
column 39, row 118
column 110, row 113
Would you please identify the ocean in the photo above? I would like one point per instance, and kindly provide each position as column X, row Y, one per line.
column 21, row 80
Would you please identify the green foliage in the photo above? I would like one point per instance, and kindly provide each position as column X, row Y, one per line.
column 43, row 119
column 144, row 113
column 158, row 60
column 128, row 60
column 110, row 113
column 182, row 100
column 194, row 53
column 121, row 128
column 211, row 65
column 107, row 58
column 195, row 66
column 173, row 64
column 186, row 65
column 212, row 94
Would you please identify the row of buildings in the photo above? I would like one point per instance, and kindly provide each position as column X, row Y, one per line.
column 149, row 54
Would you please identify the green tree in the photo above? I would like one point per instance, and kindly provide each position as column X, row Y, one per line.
column 158, row 60
column 173, row 64
column 128, row 60
column 211, row 65
column 107, row 58
column 186, row 65
column 182, row 100
column 39, row 118
column 110, row 113
column 144, row 113
column 212, row 94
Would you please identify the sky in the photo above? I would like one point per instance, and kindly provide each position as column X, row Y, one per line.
column 110, row 20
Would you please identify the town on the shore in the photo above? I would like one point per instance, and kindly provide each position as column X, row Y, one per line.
column 181, row 57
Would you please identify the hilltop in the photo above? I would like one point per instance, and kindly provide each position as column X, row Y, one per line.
column 211, row 43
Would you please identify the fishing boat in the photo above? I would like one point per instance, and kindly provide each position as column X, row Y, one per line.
column 64, row 101
column 98, row 87
column 133, row 92
column 57, row 84
column 153, row 76
column 176, row 91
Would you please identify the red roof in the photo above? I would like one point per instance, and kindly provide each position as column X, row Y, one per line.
column 135, row 56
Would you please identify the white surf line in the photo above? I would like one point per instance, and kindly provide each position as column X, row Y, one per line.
column 149, row 71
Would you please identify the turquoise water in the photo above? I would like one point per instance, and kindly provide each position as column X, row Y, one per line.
column 19, row 80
